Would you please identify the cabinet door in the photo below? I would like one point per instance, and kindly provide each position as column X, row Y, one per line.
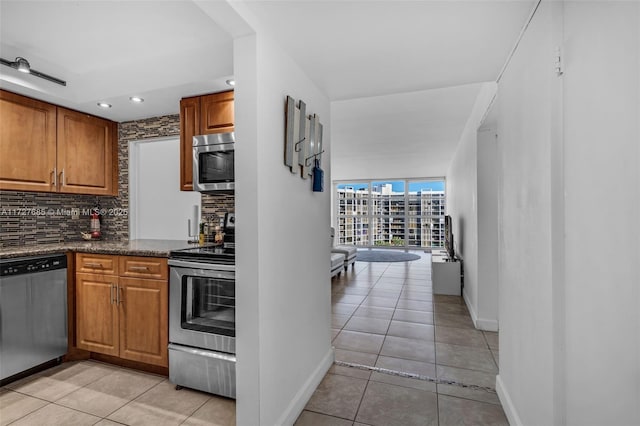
column 27, row 144
column 87, row 154
column 97, row 322
column 216, row 113
column 144, row 323
column 189, row 127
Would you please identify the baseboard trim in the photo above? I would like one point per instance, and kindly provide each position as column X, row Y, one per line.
column 299, row 401
column 486, row 325
column 472, row 311
column 507, row 404
column 479, row 323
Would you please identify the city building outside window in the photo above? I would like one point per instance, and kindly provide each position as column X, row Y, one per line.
column 391, row 213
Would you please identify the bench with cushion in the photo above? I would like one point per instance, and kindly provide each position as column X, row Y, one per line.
column 350, row 252
column 337, row 263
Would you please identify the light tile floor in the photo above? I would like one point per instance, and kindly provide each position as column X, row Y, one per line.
column 93, row 393
column 385, row 315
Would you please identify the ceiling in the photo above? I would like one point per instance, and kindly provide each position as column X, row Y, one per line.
column 403, row 75
column 353, row 50
column 108, row 51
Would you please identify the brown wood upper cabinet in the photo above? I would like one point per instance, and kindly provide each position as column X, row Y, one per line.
column 202, row 115
column 47, row 148
column 216, row 113
column 189, row 127
column 27, row 144
column 87, row 154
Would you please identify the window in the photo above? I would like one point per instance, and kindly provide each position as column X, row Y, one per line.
column 393, row 213
column 353, row 214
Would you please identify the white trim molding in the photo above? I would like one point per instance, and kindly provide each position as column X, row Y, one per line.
column 507, row 403
column 479, row 323
column 294, row 409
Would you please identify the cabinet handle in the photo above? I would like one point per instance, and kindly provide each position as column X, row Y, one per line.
column 62, row 178
column 139, row 268
column 111, row 293
column 54, row 180
column 93, row 265
column 120, row 293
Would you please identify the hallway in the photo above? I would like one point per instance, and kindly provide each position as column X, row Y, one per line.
column 396, row 344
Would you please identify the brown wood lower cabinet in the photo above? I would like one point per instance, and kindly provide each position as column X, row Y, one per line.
column 123, row 316
column 97, row 313
column 144, row 333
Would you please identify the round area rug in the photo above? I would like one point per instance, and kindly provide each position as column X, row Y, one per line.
column 385, row 256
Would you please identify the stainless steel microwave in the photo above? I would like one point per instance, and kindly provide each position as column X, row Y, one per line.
column 213, row 162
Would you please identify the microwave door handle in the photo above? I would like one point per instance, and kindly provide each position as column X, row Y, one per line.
column 196, row 167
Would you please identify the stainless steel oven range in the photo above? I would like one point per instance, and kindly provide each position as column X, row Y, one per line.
column 202, row 319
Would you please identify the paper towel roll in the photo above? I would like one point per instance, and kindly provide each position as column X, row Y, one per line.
column 195, row 221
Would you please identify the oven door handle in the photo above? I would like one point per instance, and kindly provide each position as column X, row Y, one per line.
column 202, row 352
column 201, row 265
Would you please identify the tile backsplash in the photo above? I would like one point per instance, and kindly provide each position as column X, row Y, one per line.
column 215, row 206
column 29, row 218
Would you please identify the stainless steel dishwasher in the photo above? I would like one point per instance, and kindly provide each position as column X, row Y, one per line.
column 33, row 312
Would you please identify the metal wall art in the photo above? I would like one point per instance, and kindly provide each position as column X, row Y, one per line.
column 303, row 141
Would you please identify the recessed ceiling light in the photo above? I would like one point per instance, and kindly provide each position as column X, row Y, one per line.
column 136, row 99
column 231, row 82
column 104, row 105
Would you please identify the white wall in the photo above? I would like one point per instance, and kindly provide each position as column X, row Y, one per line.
column 526, row 101
column 462, row 205
column 569, row 206
column 154, row 169
column 283, row 282
column 488, row 187
column 602, row 186
column 462, row 195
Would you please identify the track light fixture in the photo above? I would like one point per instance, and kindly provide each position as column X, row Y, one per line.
column 22, row 65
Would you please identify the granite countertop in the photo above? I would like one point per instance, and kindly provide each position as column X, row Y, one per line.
column 154, row 248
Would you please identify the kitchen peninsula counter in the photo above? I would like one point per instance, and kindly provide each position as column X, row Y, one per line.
column 152, row 248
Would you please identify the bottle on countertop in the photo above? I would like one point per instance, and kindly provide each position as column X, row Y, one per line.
column 201, row 236
column 96, row 219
